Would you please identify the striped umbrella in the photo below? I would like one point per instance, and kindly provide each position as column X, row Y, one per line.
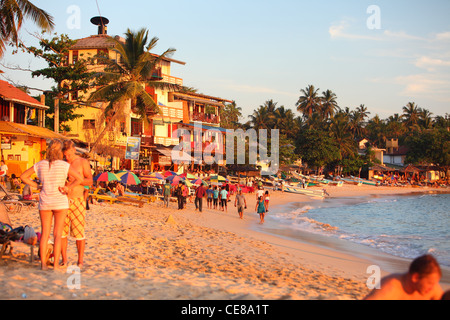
column 199, row 182
column 106, row 176
column 169, row 173
column 130, row 178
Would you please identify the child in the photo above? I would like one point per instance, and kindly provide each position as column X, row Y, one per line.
column 266, row 200
column 261, row 209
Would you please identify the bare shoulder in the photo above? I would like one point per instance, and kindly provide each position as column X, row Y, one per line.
column 390, row 288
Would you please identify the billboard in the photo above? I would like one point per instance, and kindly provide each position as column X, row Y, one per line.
column 133, row 148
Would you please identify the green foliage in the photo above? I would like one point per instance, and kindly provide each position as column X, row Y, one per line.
column 431, row 146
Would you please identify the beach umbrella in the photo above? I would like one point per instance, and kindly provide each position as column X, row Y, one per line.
column 130, row 178
column 106, row 176
column 199, row 182
column 217, row 178
column 175, row 179
column 189, row 176
column 169, row 173
column 156, row 175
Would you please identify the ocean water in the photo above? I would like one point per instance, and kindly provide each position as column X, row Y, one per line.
column 405, row 226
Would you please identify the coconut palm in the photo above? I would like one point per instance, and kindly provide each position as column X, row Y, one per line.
column 411, row 114
column 126, row 80
column 329, row 104
column 12, row 14
column 425, row 119
column 309, row 102
column 341, row 134
column 261, row 118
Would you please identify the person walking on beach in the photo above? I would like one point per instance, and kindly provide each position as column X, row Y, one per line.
column 179, row 194
column 266, row 200
column 210, row 195
column 166, row 193
column 421, row 282
column 216, row 197
column 240, row 203
column 199, row 194
column 53, row 201
column 224, row 199
column 75, row 221
column 260, row 209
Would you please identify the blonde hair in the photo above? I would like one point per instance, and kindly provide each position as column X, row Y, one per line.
column 54, row 151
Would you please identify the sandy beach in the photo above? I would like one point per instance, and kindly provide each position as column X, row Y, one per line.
column 154, row 253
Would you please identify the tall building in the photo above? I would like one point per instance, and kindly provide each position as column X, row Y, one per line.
column 178, row 110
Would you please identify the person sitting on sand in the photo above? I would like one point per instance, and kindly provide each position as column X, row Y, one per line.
column 421, row 282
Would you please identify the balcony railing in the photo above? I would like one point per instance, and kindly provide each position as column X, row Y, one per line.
column 203, row 117
column 172, row 80
column 151, row 141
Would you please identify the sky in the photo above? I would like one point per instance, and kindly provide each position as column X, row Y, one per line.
column 382, row 54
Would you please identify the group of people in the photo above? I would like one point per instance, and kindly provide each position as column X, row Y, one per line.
column 217, row 197
column 62, row 177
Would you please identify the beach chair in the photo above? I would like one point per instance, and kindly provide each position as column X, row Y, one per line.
column 103, row 197
column 131, row 200
column 14, row 203
column 4, row 218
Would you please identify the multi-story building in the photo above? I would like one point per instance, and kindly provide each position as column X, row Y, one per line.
column 22, row 132
column 177, row 110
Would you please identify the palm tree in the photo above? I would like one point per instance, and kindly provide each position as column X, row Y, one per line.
column 410, row 114
column 362, row 110
column 12, row 14
column 127, row 80
column 309, row 102
column 261, row 118
column 230, row 115
column 340, row 132
column 329, row 104
column 425, row 118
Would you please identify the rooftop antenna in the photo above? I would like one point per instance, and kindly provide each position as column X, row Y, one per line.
column 101, row 22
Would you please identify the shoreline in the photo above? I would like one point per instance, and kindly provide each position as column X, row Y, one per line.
column 154, row 253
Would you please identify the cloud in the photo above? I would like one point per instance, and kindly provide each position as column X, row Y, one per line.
column 340, row 31
column 431, row 64
column 433, row 86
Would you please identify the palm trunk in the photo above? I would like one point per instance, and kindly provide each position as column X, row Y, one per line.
column 108, row 126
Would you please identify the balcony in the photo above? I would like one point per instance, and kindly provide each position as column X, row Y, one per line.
column 149, row 141
column 207, row 118
column 172, row 80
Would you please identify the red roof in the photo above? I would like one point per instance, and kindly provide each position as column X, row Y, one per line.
column 10, row 93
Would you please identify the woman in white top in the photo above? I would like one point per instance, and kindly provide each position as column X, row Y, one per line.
column 53, row 202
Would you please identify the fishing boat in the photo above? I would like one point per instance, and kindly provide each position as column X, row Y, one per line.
column 364, row 181
column 298, row 189
column 351, row 181
column 315, row 180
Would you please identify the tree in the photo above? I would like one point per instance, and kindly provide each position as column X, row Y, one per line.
column 230, row 115
column 126, row 81
column 431, row 146
column 263, row 117
column 70, row 79
column 317, row 148
column 309, row 102
column 410, row 114
column 329, row 104
column 12, row 14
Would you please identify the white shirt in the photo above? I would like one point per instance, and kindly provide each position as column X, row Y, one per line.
column 50, row 198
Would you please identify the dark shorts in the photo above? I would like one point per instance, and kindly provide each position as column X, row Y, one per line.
column 223, row 202
column 209, row 199
column 241, row 209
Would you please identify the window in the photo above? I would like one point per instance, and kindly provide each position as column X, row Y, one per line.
column 136, row 127
column 88, row 124
column 74, row 56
